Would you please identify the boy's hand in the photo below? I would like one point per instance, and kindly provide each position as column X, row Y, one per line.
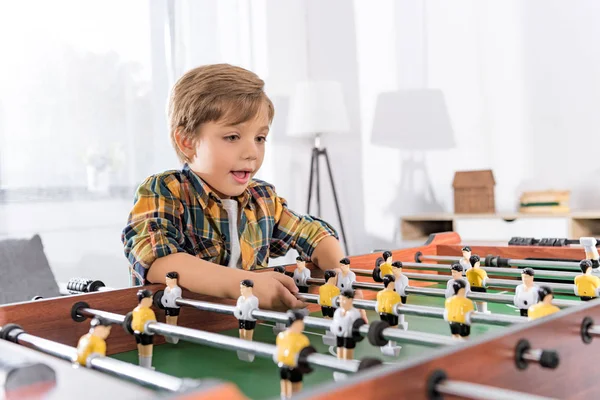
column 276, row 291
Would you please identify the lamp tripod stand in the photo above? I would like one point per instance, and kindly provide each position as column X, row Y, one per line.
column 317, row 152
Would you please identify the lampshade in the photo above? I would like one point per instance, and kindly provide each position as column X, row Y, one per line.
column 317, row 107
column 415, row 119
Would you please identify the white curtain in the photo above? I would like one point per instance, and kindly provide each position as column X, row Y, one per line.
column 83, row 92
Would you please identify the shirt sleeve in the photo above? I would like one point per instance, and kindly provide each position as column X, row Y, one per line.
column 300, row 232
column 154, row 227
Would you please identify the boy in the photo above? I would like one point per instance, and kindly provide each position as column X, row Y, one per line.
column 587, row 285
column 212, row 213
column 457, row 273
column 93, row 342
column 526, row 294
column 458, row 310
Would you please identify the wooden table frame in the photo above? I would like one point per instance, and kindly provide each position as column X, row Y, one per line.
column 485, row 360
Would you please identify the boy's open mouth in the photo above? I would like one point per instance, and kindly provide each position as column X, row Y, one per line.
column 241, row 176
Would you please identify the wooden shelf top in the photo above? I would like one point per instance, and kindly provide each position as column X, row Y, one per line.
column 585, row 214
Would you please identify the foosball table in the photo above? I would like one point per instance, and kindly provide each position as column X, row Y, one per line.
column 506, row 355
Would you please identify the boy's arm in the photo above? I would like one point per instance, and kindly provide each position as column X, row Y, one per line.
column 154, row 227
column 312, row 237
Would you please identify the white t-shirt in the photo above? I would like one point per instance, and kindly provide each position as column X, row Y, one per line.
column 244, row 308
column 525, row 298
column 450, row 290
column 344, row 321
column 231, row 206
column 400, row 285
column 345, row 282
column 169, row 297
column 301, row 277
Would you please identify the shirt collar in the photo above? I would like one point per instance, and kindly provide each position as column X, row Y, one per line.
column 205, row 193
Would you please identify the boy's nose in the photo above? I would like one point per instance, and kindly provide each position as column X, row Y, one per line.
column 250, row 152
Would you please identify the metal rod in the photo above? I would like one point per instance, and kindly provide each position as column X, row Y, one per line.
column 476, row 391
column 477, row 296
column 570, row 265
column 120, row 369
column 393, row 334
column 434, row 312
column 594, row 330
column 565, row 288
column 490, row 270
column 226, row 342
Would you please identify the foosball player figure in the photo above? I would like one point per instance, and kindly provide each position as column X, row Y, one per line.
column 477, row 278
column 387, row 299
column 246, row 303
column 383, row 269
column 591, row 252
column 93, row 342
column 587, row 285
column 301, row 275
column 342, row 325
column 526, row 294
column 465, row 260
column 327, row 294
column 458, row 310
column 141, row 315
column 346, row 277
column 169, row 301
column 400, row 286
column 457, row 271
column 545, row 306
column 292, row 349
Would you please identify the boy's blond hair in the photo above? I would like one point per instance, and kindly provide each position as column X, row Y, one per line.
column 218, row 92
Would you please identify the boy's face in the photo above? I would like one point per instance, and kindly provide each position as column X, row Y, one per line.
column 226, row 157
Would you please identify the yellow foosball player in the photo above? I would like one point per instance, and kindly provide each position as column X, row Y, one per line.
column 545, row 306
column 327, row 293
column 387, row 300
column 292, row 348
column 477, row 278
column 383, row 266
column 141, row 315
column 458, row 310
column 93, row 342
column 587, row 286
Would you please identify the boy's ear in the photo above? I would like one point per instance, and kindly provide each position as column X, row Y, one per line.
column 185, row 143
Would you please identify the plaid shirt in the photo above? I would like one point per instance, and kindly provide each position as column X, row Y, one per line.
column 175, row 211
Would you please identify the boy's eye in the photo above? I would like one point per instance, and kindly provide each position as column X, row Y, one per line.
column 261, row 139
column 231, row 138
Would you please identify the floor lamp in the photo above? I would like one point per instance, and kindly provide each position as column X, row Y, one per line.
column 317, row 108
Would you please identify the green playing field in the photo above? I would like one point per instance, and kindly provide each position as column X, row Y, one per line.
column 260, row 379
